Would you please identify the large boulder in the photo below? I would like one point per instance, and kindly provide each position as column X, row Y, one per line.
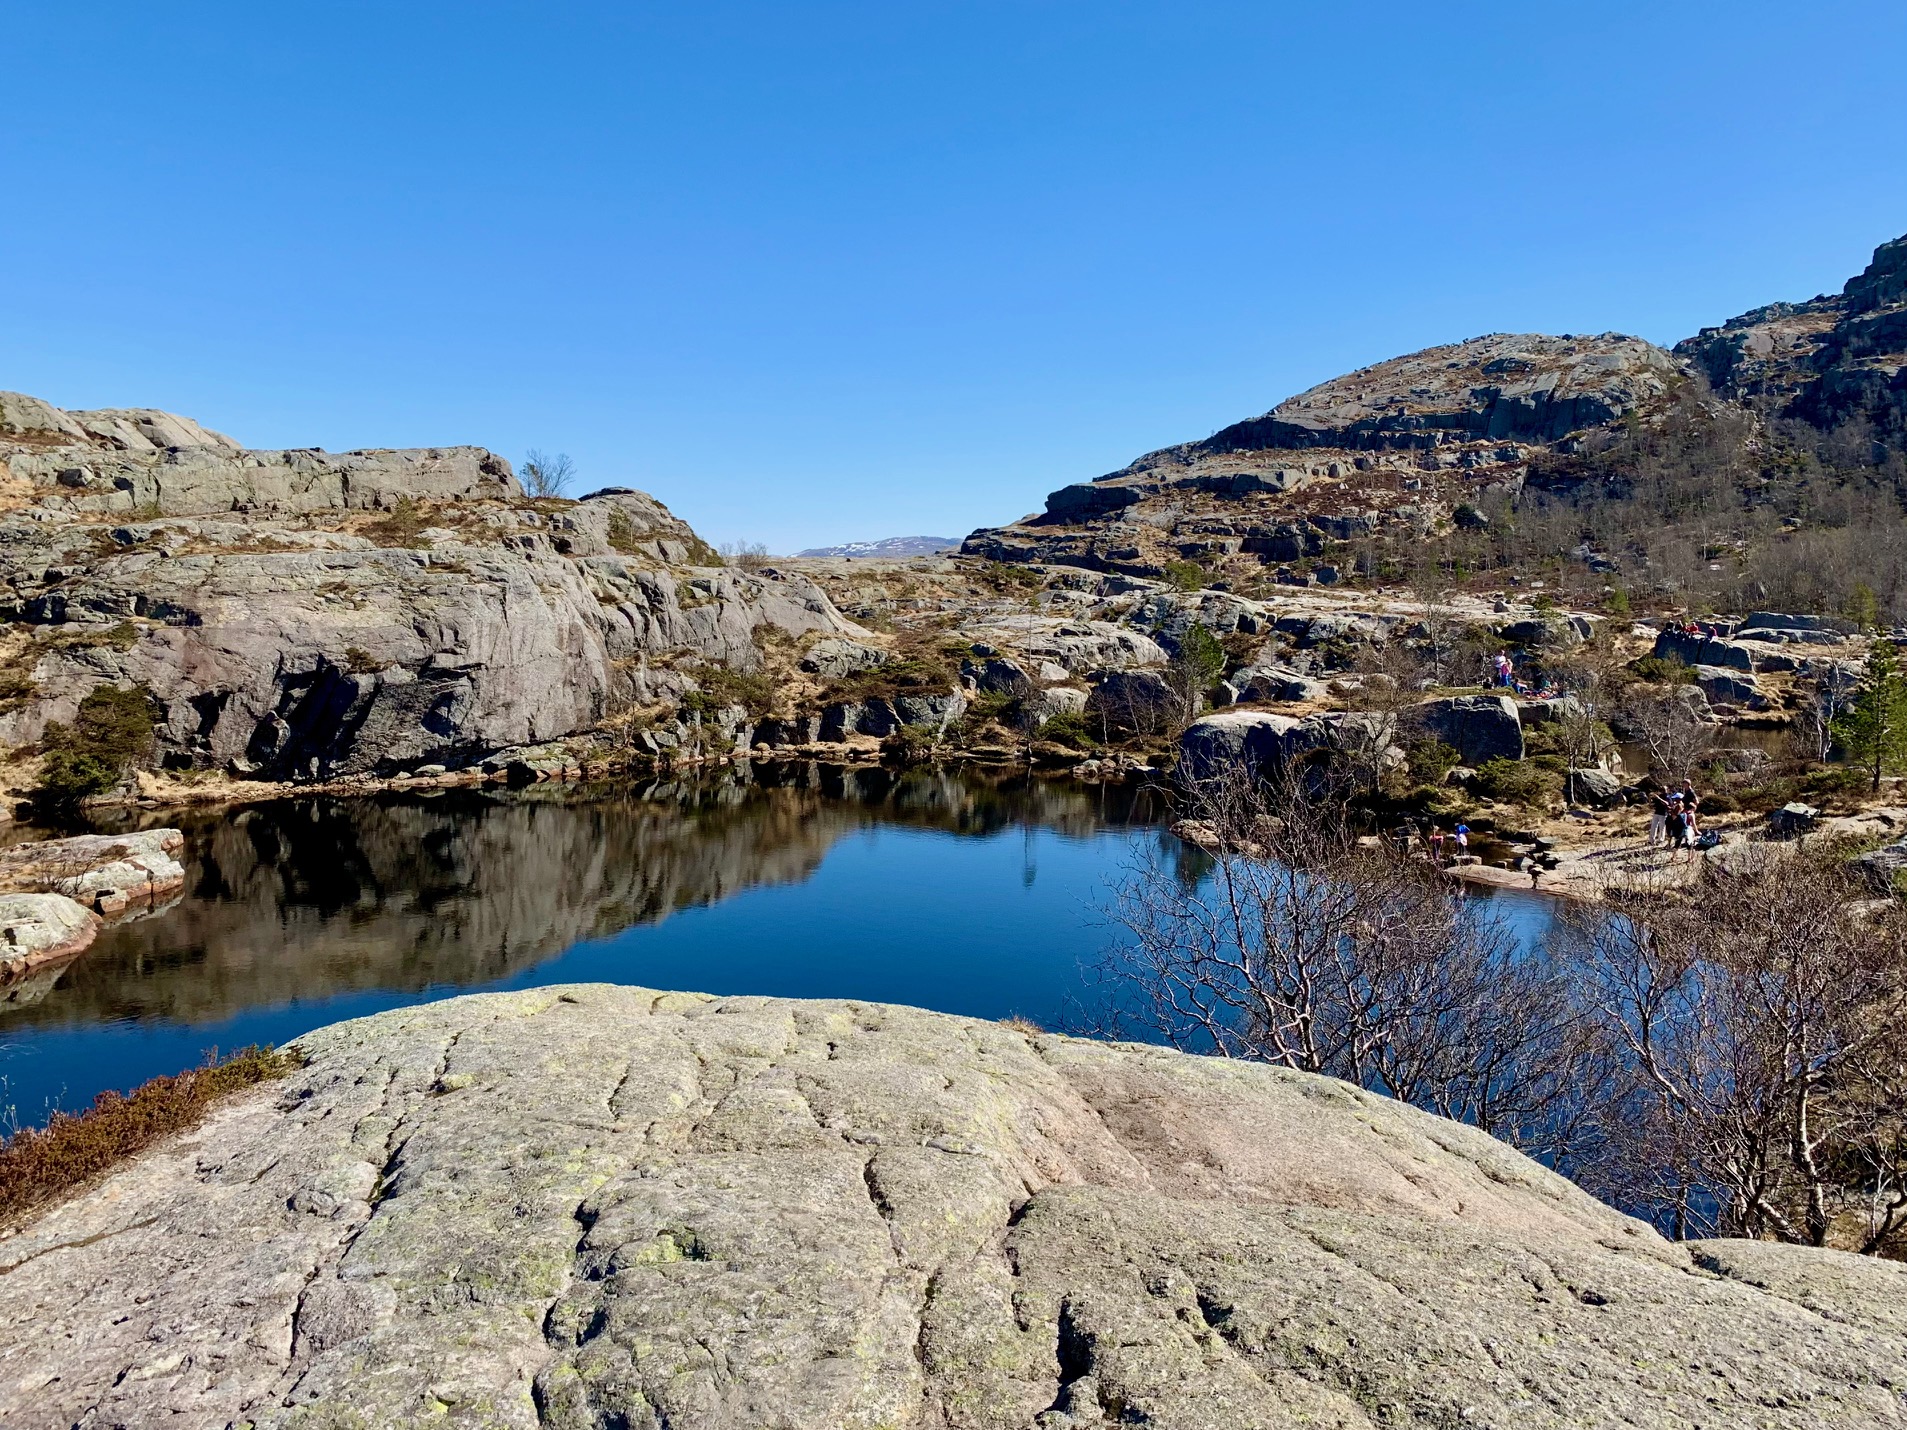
column 1693, row 649
column 833, row 658
column 1477, row 727
column 1242, row 741
column 40, row 928
column 594, row 1205
column 1132, row 701
column 1730, row 687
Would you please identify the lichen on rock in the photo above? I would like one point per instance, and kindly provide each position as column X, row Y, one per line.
column 595, row 1205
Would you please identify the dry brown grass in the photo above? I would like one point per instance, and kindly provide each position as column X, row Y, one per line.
column 39, row 1166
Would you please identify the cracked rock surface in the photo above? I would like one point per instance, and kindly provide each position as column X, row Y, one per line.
column 603, row 1206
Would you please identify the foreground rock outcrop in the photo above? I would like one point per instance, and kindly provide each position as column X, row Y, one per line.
column 595, row 1206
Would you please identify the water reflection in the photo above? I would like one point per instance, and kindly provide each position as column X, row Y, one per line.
column 301, row 911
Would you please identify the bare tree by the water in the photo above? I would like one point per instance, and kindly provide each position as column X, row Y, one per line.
column 1726, row 1056
column 1290, row 941
column 1758, row 1022
column 1671, row 723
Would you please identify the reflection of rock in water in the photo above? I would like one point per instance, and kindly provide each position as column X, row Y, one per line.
column 32, row 986
column 311, row 898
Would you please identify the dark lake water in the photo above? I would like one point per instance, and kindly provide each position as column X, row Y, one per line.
column 963, row 893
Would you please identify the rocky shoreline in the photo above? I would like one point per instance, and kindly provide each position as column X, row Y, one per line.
column 56, row 893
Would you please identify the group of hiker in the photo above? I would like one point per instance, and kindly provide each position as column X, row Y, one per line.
column 1441, row 847
column 1504, row 676
column 1675, row 819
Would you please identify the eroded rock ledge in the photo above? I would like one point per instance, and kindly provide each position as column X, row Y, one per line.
column 593, row 1206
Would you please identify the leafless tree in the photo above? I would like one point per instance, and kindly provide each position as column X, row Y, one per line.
column 748, row 555
column 545, row 475
column 1757, row 1022
column 1670, row 722
column 1300, row 944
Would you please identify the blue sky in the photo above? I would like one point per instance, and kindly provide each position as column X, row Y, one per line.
column 829, row 271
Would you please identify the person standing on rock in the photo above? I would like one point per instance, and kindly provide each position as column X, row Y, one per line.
column 1660, row 807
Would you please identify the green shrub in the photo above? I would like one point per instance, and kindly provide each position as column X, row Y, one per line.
column 1431, row 759
column 1071, row 729
column 1185, row 575
column 402, row 526
column 1663, row 670
column 111, row 734
column 1004, row 576
column 719, row 688
column 1515, row 781
column 911, row 745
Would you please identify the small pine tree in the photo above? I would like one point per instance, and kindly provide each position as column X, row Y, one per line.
column 1202, row 654
column 1863, row 607
column 1873, row 732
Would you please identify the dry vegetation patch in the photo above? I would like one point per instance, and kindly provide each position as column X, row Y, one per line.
column 41, row 1165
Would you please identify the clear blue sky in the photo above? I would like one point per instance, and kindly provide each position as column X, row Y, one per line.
column 824, row 271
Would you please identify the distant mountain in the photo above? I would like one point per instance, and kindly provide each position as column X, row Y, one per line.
column 893, row 546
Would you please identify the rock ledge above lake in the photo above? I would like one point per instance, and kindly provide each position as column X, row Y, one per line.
column 595, row 1205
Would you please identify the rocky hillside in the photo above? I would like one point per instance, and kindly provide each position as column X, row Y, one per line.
column 305, row 613
column 1511, row 450
column 593, row 1206
column 1829, row 361
column 1395, row 448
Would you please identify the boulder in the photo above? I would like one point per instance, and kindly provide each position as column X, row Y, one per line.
column 1540, row 632
column 1792, row 819
column 1881, row 867
column 39, row 929
column 1233, row 740
column 1477, row 727
column 1132, row 700
column 1703, row 650
column 997, row 675
column 1056, row 700
column 845, row 719
column 1542, row 712
column 1729, row 687
column 796, row 730
column 1080, row 647
column 1594, row 786
column 1800, row 630
column 1276, row 684
column 834, row 657
column 594, row 1205
column 938, row 709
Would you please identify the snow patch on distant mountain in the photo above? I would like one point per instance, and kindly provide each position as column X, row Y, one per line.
column 892, row 546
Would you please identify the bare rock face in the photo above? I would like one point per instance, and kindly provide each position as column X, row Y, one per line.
column 595, row 1206
column 1390, row 448
column 1827, row 361
column 1507, row 387
column 307, row 613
